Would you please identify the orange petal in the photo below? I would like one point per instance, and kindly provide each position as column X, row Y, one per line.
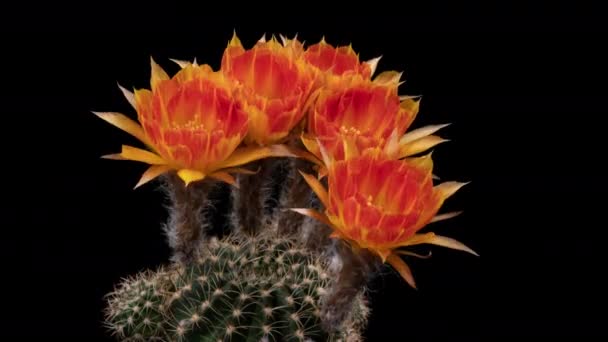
column 158, row 74
column 420, row 145
column 447, row 189
column 445, row 216
column 299, row 153
column 125, row 123
column 128, row 95
column 151, row 173
column 420, row 133
column 224, row 177
column 424, row 162
column 241, row 170
column 445, row 241
column 314, row 214
column 189, row 176
column 244, row 155
column 404, row 270
column 137, row 154
column 317, row 187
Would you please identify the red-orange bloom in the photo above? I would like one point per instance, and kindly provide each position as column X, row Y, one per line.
column 338, row 61
column 359, row 113
column 191, row 123
column 276, row 85
column 381, row 204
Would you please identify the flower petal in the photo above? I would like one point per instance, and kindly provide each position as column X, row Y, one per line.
column 420, row 133
column 445, row 216
column 151, row 173
column 128, row 95
column 137, row 154
column 404, row 270
column 412, row 254
column 157, row 75
column 420, row 145
column 388, row 78
column 189, row 176
column 448, row 242
column 125, row 123
column 314, row 214
column 182, row 63
column 241, row 170
column 244, row 155
column 447, row 189
column 224, row 177
column 373, row 64
column 317, row 187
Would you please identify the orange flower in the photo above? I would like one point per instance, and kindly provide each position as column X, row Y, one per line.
column 338, row 61
column 191, row 123
column 381, row 204
column 276, row 85
column 357, row 114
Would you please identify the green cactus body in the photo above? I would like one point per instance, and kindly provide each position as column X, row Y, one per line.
column 240, row 289
column 249, row 290
column 135, row 310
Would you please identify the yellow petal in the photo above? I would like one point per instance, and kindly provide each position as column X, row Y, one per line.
column 128, row 95
column 391, row 149
column 151, row 173
column 420, row 145
column 158, row 74
column 424, row 162
column 189, row 176
column 244, row 155
column 412, row 254
column 404, row 270
column 137, row 154
column 420, row 133
column 317, row 187
column 299, row 153
column 447, row 189
column 314, row 214
column 445, row 241
column 125, row 123
column 224, row 177
column 388, row 78
column 373, row 64
column 324, row 155
column 417, row 239
column 445, row 216
column 182, row 63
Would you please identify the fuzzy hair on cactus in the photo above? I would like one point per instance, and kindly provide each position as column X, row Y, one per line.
column 327, row 188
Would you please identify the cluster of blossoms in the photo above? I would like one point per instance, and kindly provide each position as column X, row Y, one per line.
column 372, row 175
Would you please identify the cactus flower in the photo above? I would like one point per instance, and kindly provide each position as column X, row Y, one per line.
column 364, row 114
column 276, row 84
column 338, row 61
column 192, row 123
column 381, row 204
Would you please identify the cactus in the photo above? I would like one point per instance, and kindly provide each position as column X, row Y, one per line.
column 135, row 309
column 325, row 191
column 240, row 289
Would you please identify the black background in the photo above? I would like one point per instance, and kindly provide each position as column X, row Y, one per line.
column 524, row 89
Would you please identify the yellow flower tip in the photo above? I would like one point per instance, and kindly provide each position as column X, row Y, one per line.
column 234, row 41
column 262, row 39
column 190, row 176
